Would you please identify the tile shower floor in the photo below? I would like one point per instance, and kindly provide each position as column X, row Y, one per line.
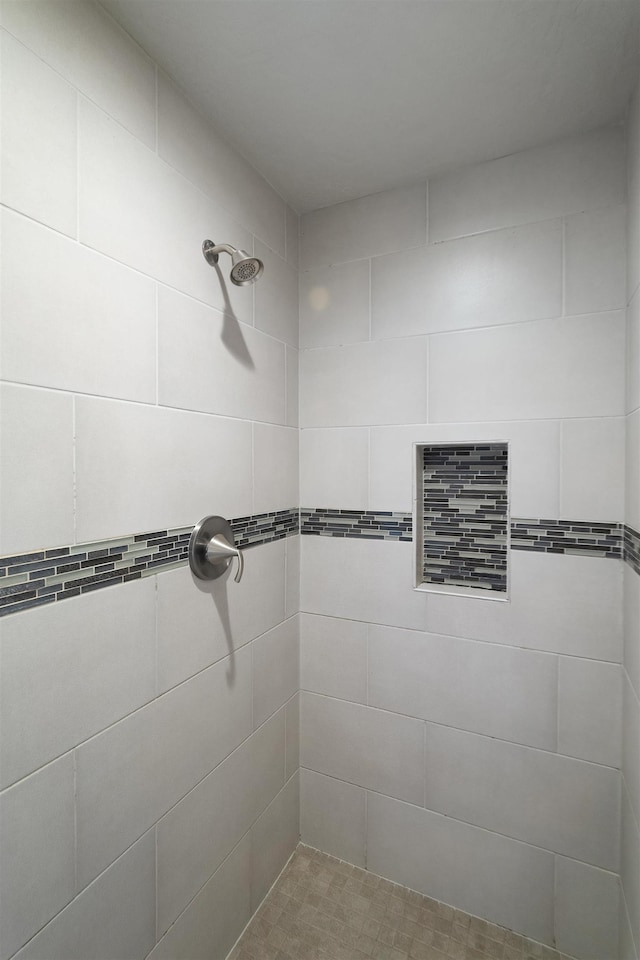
column 324, row 909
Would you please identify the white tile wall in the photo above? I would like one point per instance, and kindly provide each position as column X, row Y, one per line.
column 497, row 278
column 203, row 828
column 567, row 177
column 216, row 917
column 113, row 917
column 520, row 372
column 432, row 854
column 553, row 802
column 633, row 194
column 78, row 654
column 633, row 353
column 631, row 746
column 39, row 171
column 276, row 669
column 590, row 710
column 373, row 225
column 595, row 260
column 631, row 658
column 94, row 54
column 177, row 362
column 122, row 451
column 562, row 604
column 92, row 319
column 38, row 852
column 333, row 816
column 360, row 384
column 166, row 222
column 630, row 865
column 591, row 470
column 587, row 905
column 486, row 688
column 211, row 712
column 275, row 468
column 632, row 461
column 333, row 657
column 322, row 481
column 208, row 361
column 276, row 296
column 36, row 441
column 273, row 838
column 189, row 144
column 364, row 746
column 335, row 304
column 200, row 622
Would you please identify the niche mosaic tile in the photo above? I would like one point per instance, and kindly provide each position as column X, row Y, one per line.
column 46, row 576
column 367, row 524
column 464, row 509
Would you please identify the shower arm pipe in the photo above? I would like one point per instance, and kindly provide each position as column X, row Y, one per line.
column 211, row 252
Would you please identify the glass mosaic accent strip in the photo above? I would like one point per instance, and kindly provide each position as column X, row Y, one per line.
column 465, row 515
column 33, row 579
column 364, row 524
column 631, row 548
column 568, row 536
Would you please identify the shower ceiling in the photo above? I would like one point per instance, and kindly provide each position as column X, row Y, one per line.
column 334, row 100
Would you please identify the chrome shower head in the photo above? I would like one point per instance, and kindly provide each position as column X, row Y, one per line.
column 245, row 269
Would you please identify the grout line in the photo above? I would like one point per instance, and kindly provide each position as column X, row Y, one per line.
column 470, row 733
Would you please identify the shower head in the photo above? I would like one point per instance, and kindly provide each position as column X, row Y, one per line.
column 245, row 269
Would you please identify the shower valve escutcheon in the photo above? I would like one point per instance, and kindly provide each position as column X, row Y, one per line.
column 212, row 548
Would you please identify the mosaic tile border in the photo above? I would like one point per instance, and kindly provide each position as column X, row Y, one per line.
column 361, row 524
column 567, row 536
column 465, row 510
column 631, row 548
column 33, row 579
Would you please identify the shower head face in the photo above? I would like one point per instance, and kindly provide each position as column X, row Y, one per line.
column 245, row 269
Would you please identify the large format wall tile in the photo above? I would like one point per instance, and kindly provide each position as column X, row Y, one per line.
column 113, row 917
column 211, row 713
column 202, row 829
column 122, row 452
column 276, row 296
column 519, row 372
column 36, row 441
column 556, row 803
column 381, row 223
column 276, row 669
column 333, row 657
column 94, row 54
column 592, row 471
column 595, row 261
column 561, row 604
column 432, row 854
column 42, row 187
column 324, row 455
column 334, row 304
column 275, row 468
column 188, row 142
column 158, row 230
column 37, row 837
column 333, row 816
column 200, row 622
column 216, row 917
column 590, row 710
column 93, row 321
column 586, row 914
column 364, row 746
column 500, row 277
column 95, row 655
column 208, row 361
column 567, row 177
column 499, row 691
column 274, row 836
column 364, row 383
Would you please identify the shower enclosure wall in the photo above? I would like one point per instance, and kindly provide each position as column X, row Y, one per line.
column 470, row 748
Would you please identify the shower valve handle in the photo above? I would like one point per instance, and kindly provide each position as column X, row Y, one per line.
column 219, row 549
column 212, row 548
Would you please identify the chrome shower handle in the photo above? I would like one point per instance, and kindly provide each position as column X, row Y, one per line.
column 219, row 549
column 212, row 548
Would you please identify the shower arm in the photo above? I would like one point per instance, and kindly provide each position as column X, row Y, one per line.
column 211, row 251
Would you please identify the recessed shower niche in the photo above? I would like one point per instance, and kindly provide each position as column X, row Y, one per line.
column 461, row 517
